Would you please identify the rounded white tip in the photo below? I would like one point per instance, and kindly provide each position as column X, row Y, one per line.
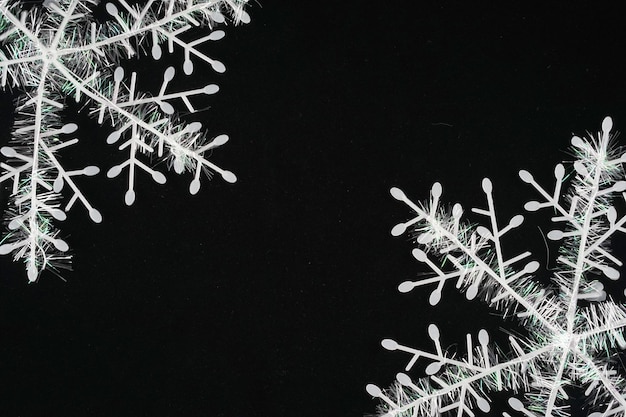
column 398, row 229
column 516, row 221
column 484, row 232
column 577, row 142
column 57, row 186
column 611, row 273
column 193, row 127
column 8, row 151
column 555, row 235
column 607, row 124
column 95, row 215
column 6, row 248
column 483, row 337
column 434, row 298
column 179, row 165
column 457, row 211
column 156, row 52
column 487, row 186
column 60, row 245
column 218, row 67
column 483, row 405
column 229, row 177
column 211, row 89
column 168, row 75
column 113, row 137
column 559, row 172
column 403, row 378
column 58, row 214
column 114, row 171
column 425, row 238
column 32, row 272
column 217, row 17
column 244, row 17
column 158, row 177
column 580, row 168
column 119, row 71
column 397, row 193
column 472, row 292
column 91, row 170
column 373, row 390
column 220, row 140
column 194, row 187
column 69, row 128
column 532, row 206
column 437, row 190
column 596, row 285
column 433, row 368
column 531, row 267
column 167, row 108
column 406, row 286
column 188, row 67
column 389, row 344
column 433, row 331
column 419, row 254
column 111, row 9
column 516, row 404
column 129, row 198
column 216, row 35
column 611, row 215
column 526, row 176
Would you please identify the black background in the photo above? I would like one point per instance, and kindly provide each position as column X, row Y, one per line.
column 270, row 297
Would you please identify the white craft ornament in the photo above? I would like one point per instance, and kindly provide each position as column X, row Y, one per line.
column 574, row 330
column 58, row 51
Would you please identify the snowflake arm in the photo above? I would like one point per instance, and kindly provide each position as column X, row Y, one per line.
column 443, row 234
column 57, row 51
column 572, row 325
column 596, row 168
column 182, row 145
column 463, row 386
column 606, row 384
column 171, row 19
column 32, row 236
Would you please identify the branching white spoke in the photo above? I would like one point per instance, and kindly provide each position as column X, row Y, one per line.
column 502, row 282
column 138, row 31
column 476, row 377
column 606, row 382
column 103, row 101
column 58, row 49
column 566, row 343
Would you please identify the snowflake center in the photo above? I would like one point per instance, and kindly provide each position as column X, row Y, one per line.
column 566, row 341
column 49, row 55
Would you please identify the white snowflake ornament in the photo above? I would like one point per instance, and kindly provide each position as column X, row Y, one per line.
column 574, row 330
column 57, row 52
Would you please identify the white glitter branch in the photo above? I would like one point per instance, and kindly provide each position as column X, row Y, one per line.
column 57, row 51
column 574, row 329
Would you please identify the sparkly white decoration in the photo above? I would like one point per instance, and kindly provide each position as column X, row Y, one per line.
column 574, row 329
column 56, row 52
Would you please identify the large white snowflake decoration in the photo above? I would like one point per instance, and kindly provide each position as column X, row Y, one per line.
column 58, row 52
column 575, row 330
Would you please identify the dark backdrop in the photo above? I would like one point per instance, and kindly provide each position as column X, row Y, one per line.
column 270, row 297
